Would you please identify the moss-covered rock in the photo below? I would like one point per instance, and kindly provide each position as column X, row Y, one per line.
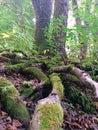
column 57, row 84
column 9, row 98
column 49, row 116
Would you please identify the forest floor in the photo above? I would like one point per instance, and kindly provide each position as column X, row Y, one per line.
column 74, row 117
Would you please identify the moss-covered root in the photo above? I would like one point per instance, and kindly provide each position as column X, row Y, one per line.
column 16, row 67
column 11, row 102
column 57, row 84
column 48, row 115
column 36, row 72
column 76, row 96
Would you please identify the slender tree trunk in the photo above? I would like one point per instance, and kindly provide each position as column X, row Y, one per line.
column 83, row 48
column 42, row 10
column 61, row 9
column 19, row 10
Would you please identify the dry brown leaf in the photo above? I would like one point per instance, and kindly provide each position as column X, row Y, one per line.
column 10, row 127
column 1, row 127
column 17, row 123
column 2, row 113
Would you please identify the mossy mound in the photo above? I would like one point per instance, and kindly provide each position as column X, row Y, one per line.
column 50, row 117
column 17, row 109
column 57, row 84
column 7, row 89
column 26, row 89
column 77, row 97
column 11, row 102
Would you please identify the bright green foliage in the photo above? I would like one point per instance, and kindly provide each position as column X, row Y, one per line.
column 16, row 25
column 78, row 36
column 54, row 37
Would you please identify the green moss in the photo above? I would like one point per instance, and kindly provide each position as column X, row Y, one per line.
column 70, row 67
column 26, row 88
column 77, row 97
column 36, row 72
column 51, row 116
column 55, row 61
column 16, row 108
column 4, row 82
column 57, row 84
column 7, row 89
column 10, row 101
column 16, row 66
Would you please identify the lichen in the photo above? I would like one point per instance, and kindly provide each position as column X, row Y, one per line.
column 57, row 84
column 51, row 116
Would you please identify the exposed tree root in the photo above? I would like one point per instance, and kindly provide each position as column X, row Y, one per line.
column 9, row 98
column 49, row 113
column 84, row 78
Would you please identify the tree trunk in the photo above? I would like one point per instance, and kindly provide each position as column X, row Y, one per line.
column 42, row 10
column 61, row 9
column 83, row 48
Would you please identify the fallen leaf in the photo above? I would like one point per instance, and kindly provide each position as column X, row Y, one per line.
column 17, row 123
column 10, row 127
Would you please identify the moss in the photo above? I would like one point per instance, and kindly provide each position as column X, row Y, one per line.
column 11, row 102
column 77, row 97
column 16, row 108
column 57, row 84
column 70, row 67
column 7, row 89
column 16, row 67
column 26, row 88
column 36, row 72
column 51, row 116
column 55, row 61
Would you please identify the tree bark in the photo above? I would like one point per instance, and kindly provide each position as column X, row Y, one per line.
column 61, row 9
column 42, row 10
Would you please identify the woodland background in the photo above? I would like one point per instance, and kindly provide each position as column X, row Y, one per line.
column 48, row 65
